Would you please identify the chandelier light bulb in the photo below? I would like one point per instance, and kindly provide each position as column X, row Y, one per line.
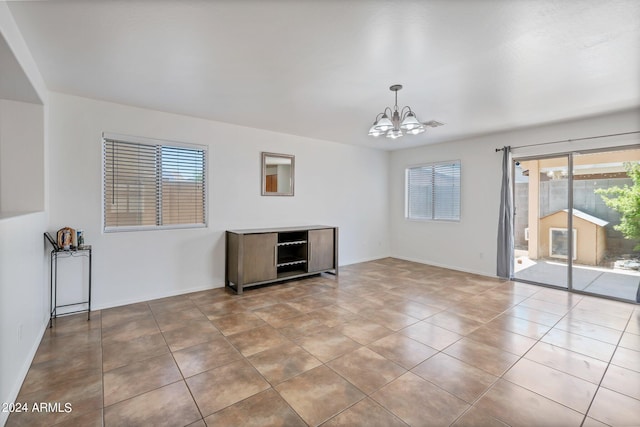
column 393, row 121
column 384, row 124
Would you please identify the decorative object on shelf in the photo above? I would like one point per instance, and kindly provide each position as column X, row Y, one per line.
column 80, row 238
column 398, row 120
column 278, row 174
column 66, row 238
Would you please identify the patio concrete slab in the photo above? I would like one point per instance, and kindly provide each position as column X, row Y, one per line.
column 597, row 281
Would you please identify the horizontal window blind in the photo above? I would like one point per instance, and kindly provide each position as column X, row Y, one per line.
column 149, row 185
column 433, row 191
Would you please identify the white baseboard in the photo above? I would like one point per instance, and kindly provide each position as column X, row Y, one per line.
column 448, row 267
column 152, row 297
column 368, row 259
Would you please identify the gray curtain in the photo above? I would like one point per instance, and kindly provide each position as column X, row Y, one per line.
column 505, row 223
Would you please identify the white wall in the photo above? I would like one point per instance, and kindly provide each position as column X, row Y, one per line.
column 23, row 288
column 470, row 245
column 335, row 184
column 24, row 297
column 21, row 157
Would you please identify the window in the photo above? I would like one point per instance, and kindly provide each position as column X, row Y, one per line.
column 433, row 191
column 152, row 184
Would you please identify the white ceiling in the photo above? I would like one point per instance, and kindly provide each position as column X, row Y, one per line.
column 322, row 69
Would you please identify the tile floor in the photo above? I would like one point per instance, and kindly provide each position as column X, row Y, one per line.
column 390, row 343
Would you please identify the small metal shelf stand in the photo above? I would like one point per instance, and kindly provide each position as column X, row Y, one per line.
column 56, row 252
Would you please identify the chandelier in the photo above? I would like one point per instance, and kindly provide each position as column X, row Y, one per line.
column 396, row 121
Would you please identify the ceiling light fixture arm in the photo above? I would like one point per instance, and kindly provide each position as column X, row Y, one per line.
column 398, row 120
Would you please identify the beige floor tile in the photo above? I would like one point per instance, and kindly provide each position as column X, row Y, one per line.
column 324, row 343
column 84, row 395
column 237, row 322
column 168, row 320
column 623, row 381
column 311, row 302
column 458, row 378
column 488, row 358
column 366, row 369
column 614, row 409
column 415, row 309
column 130, row 330
column 88, row 419
column 614, row 319
column 318, row 394
column 74, row 323
column 256, row 340
column 630, row 341
column 418, row 402
column 553, row 384
column 505, row 340
column 519, row 407
column 277, row 314
column 533, row 315
column 202, row 357
column 333, row 315
column 120, row 353
column 328, row 345
column 402, row 350
column 365, row 413
column 300, row 326
column 627, row 358
column 580, row 344
column 475, row 417
column 590, row 422
column 174, row 304
column 54, row 346
column 170, row 405
column 191, row 333
column 281, row 363
column 454, row 322
column 431, row 335
column 590, row 330
column 64, row 368
column 475, row 311
column 363, row 331
column 634, row 324
column 576, row 364
column 388, row 318
column 215, row 310
column 545, row 306
column 265, row 409
column 125, row 314
column 220, row 387
column 139, row 377
column 519, row 326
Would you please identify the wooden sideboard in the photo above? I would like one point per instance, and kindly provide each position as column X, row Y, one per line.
column 260, row 256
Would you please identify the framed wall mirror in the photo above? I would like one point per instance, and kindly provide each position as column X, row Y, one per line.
column 277, row 174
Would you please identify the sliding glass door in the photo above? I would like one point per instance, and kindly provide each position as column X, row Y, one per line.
column 541, row 220
column 579, row 230
column 606, row 205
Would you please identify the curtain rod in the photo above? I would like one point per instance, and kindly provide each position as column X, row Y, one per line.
column 571, row 140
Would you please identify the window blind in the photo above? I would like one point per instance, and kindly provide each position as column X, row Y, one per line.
column 152, row 185
column 433, row 191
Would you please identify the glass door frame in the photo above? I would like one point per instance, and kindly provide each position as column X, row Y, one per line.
column 569, row 155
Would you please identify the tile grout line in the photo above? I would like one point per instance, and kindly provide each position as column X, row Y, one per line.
column 605, row 371
column 501, row 377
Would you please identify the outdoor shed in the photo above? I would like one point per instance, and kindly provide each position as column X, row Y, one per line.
column 590, row 242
